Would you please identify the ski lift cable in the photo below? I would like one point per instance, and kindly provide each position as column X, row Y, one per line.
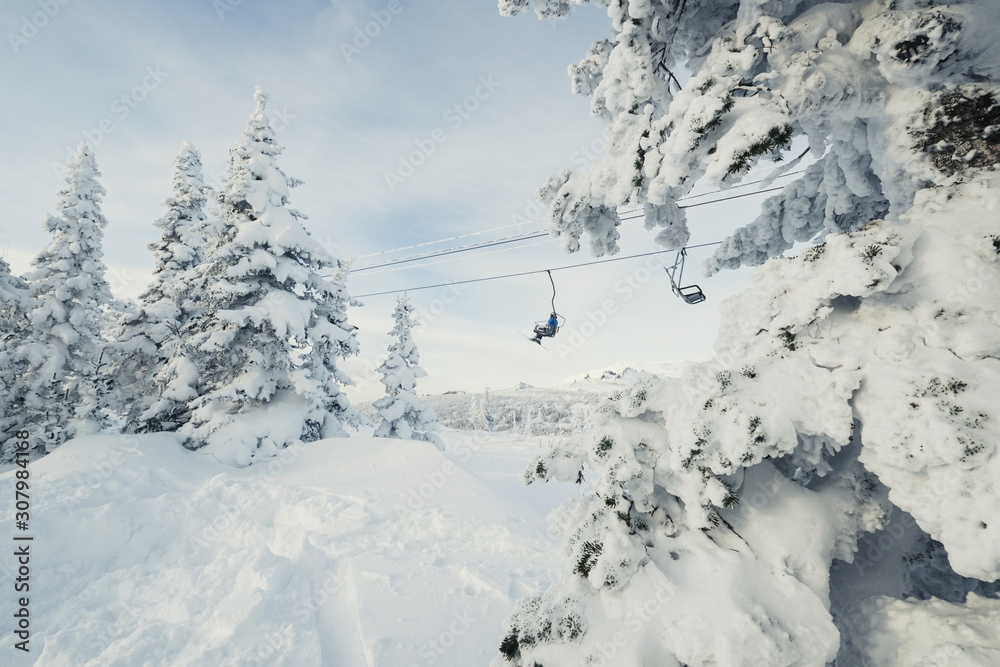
column 454, row 259
column 739, row 196
column 545, row 219
column 452, row 251
column 538, row 235
column 717, row 201
column 528, row 273
column 453, row 238
column 738, row 185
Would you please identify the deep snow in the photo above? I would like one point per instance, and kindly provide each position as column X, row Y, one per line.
column 378, row 552
column 358, row 551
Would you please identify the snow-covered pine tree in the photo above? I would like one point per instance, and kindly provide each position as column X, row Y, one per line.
column 15, row 300
column 485, row 416
column 403, row 414
column 784, row 503
column 328, row 343
column 61, row 351
column 261, row 360
column 148, row 336
column 15, row 304
column 762, row 74
column 528, row 420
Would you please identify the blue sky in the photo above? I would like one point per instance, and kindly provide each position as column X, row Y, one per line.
column 138, row 78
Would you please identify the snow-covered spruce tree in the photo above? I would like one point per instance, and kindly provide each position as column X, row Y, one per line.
column 328, row 343
column 148, row 336
column 59, row 388
column 790, row 501
column 764, row 72
column 403, row 414
column 485, row 414
column 15, row 304
column 258, row 367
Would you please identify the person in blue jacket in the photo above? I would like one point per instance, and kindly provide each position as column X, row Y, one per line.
column 547, row 330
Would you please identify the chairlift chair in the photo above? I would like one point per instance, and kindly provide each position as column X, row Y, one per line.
column 691, row 294
column 545, row 323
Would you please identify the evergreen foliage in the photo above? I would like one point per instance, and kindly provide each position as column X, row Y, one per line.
column 15, row 304
column 849, row 382
column 149, row 335
column 258, row 367
column 403, row 414
column 762, row 74
column 59, row 391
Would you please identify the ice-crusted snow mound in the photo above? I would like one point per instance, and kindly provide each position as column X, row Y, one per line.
column 754, row 596
column 352, row 551
column 931, row 633
column 903, row 320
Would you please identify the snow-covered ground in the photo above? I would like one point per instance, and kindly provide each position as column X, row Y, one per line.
column 379, row 552
column 348, row 552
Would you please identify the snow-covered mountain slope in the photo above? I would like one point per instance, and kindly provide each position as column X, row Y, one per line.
column 562, row 409
column 620, row 375
column 348, row 552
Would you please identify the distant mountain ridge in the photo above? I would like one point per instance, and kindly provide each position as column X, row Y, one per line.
column 560, row 409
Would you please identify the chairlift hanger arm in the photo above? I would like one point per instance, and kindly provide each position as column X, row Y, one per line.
column 676, row 271
column 551, row 280
column 691, row 294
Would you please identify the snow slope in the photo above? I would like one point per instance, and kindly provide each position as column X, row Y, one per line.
column 347, row 552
